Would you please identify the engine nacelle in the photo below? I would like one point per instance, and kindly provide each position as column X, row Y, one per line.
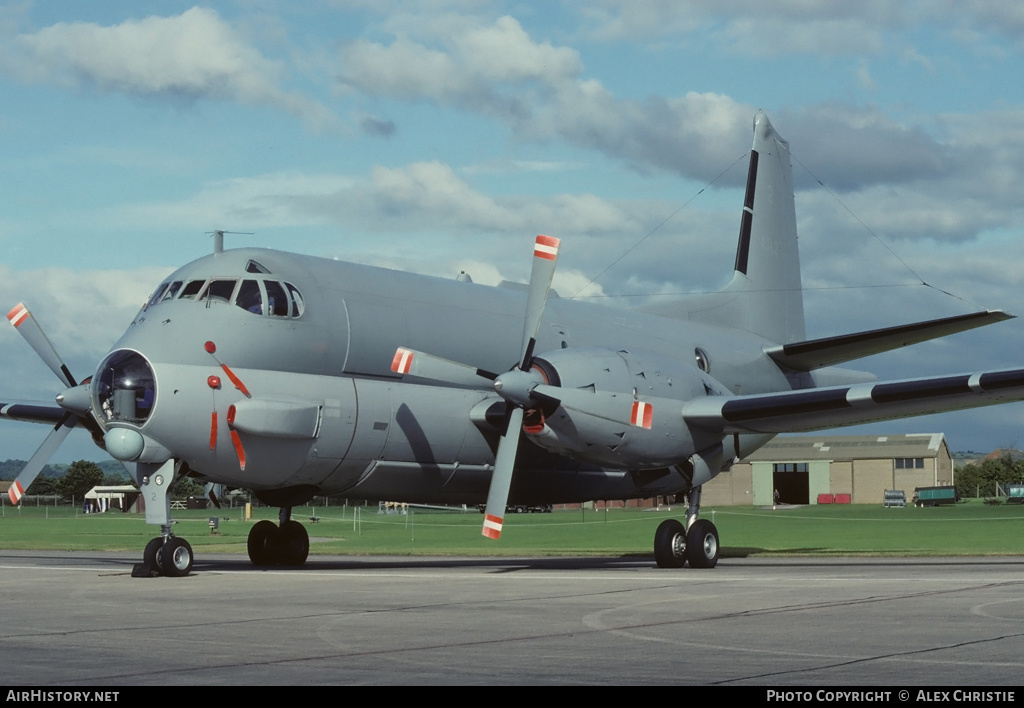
column 621, row 378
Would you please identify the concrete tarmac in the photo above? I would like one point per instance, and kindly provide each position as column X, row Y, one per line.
column 76, row 619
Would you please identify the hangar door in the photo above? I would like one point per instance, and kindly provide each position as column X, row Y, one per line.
column 797, row 482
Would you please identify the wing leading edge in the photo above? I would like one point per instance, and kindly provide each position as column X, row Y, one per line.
column 836, row 406
column 828, row 351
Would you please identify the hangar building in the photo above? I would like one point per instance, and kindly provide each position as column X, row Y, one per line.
column 862, row 466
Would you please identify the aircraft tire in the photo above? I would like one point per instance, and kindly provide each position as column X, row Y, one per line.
column 261, row 543
column 176, row 558
column 670, row 544
column 150, row 552
column 702, row 544
column 292, row 544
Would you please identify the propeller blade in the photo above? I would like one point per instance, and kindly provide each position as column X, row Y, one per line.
column 40, row 458
column 501, row 480
column 435, row 368
column 23, row 321
column 616, row 407
column 545, row 257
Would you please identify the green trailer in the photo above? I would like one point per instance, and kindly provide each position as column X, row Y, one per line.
column 935, row 496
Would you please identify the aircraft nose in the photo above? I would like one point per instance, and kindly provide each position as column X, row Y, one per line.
column 124, row 388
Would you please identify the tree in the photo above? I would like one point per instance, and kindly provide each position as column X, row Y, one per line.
column 972, row 479
column 79, row 479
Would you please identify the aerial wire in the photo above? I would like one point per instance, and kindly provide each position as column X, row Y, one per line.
column 658, row 226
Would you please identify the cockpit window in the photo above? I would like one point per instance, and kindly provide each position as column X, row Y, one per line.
column 256, row 267
column 155, row 298
column 297, row 305
column 192, row 289
column 172, row 291
column 249, row 297
column 277, row 299
column 218, row 291
column 267, row 297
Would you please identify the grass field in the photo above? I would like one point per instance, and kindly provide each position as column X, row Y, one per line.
column 970, row 528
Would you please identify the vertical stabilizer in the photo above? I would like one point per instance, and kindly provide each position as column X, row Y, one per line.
column 766, row 282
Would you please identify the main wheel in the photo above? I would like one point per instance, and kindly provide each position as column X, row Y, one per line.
column 175, row 558
column 292, row 543
column 702, row 544
column 670, row 544
column 262, row 543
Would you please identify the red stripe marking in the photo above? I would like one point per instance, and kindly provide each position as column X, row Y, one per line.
column 546, row 247
column 18, row 314
column 643, row 415
column 402, row 361
column 492, row 526
column 213, row 430
column 15, row 492
column 236, row 381
column 237, row 442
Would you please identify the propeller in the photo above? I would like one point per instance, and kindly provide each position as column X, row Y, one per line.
column 523, row 387
column 514, row 386
column 510, row 385
column 70, row 399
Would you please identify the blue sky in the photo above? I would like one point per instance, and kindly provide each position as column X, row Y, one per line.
column 439, row 136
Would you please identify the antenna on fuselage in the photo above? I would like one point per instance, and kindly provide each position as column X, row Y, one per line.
column 218, row 238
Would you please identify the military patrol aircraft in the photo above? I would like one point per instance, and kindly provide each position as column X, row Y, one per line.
column 295, row 376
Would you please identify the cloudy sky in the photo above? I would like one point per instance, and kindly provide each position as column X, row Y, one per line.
column 437, row 136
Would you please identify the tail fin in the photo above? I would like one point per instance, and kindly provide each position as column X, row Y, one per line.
column 767, row 272
column 765, row 294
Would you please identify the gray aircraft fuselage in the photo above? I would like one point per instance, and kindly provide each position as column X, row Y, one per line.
column 327, row 414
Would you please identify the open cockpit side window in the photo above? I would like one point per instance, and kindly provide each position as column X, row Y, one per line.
column 269, row 297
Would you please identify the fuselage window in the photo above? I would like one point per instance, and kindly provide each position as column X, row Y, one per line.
column 249, row 297
column 218, row 291
column 192, row 289
column 297, row 305
column 255, row 267
column 277, row 299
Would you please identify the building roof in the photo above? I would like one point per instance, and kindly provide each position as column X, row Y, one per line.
column 790, row 448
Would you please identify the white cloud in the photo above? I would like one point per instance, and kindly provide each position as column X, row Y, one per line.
column 195, row 55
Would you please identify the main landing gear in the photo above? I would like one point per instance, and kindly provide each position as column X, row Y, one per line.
column 697, row 542
column 273, row 544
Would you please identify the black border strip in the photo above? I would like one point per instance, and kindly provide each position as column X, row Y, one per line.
column 929, row 388
column 812, row 401
column 743, row 247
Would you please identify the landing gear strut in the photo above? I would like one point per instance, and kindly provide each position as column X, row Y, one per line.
column 270, row 544
column 166, row 554
column 697, row 542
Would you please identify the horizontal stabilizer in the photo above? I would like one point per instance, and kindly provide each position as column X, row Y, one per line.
column 817, row 353
column 835, row 406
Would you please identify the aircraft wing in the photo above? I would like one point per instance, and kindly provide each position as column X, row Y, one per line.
column 836, row 406
column 32, row 413
column 817, row 353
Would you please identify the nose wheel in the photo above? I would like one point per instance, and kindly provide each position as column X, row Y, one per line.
column 172, row 557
